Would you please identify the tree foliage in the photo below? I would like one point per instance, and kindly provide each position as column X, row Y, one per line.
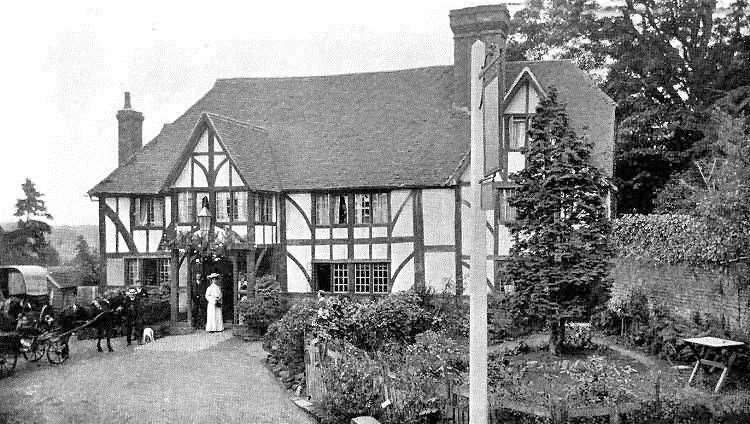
column 560, row 258
column 664, row 63
column 87, row 265
column 28, row 243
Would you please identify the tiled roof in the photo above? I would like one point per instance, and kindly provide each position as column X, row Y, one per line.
column 381, row 129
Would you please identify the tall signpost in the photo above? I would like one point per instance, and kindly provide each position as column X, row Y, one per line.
column 478, row 404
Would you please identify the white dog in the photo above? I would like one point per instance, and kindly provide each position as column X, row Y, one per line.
column 148, row 334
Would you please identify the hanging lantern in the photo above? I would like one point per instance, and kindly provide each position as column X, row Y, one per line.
column 204, row 219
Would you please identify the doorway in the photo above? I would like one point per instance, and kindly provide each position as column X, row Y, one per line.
column 223, row 267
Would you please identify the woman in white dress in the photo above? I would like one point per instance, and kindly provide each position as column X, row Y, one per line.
column 214, row 320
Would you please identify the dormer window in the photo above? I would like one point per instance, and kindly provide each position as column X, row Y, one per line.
column 518, row 126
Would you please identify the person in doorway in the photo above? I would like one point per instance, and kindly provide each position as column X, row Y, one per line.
column 199, row 301
column 214, row 319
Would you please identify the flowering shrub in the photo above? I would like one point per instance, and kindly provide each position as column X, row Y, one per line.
column 577, row 335
column 285, row 338
column 262, row 310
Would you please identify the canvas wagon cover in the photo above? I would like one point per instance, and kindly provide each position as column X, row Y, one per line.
column 26, row 279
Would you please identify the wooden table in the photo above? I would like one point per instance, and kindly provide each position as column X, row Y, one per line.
column 722, row 354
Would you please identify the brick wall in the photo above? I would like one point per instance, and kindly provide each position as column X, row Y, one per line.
column 685, row 290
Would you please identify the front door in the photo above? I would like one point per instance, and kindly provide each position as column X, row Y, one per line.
column 224, row 267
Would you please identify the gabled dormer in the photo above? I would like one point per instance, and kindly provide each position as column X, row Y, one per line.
column 520, row 100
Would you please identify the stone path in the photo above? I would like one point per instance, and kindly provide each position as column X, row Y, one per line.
column 197, row 378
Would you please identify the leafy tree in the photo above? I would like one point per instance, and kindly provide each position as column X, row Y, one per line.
column 87, row 265
column 664, row 63
column 560, row 258
column 28, row 243
column 32, row 206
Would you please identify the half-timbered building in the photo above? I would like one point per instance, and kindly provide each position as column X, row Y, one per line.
column 346, row 183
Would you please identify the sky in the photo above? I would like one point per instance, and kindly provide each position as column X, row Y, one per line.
column 67, row 65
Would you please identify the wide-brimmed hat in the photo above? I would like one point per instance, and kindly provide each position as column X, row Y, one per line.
column 213, row 275
column 131, row 291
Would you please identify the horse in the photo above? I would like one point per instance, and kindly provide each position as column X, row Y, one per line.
column 104, row 310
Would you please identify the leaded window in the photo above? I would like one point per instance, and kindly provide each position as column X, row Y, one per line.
column 340, row 278
column 148, row 212
column 362, row 275
column 322, row 210
column 264, row 212
column 185, row 207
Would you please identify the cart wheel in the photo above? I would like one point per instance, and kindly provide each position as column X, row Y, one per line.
column 36, row 353
column 58, row 352
column 7, row 363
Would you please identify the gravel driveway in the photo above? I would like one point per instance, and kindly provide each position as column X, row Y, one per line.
column 197, row 378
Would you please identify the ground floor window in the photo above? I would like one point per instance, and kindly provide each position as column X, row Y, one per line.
column 357, row 277
column 146, row 271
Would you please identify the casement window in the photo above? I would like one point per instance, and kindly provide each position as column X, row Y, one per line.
column 506, row 212
column 361, row 277
column 264, row 208
column 186, row 207
column 148, row 212
column 340, row 203
column 517, row 132
column 146, row 271
column 231, row 207
column 371, row 208
column 322, row 210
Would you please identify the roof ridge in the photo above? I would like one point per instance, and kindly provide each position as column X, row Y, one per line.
column 304, row 77
column 245, row 124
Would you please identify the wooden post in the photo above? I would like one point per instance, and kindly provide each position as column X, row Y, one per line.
column 236, row 287
column 173, row 285
column 189, row 286
column 478, row 405
column 250, row 261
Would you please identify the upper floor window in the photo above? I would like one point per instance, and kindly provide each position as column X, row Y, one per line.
column 264, row 208
column 506, row 212
column 231, row 206
column 333, row 209
column 371, row 208
column 517, row 130
column 149, row 212
column 186, row 207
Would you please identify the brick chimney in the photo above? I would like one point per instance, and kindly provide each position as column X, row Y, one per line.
column 129, row 132
column 488, row 23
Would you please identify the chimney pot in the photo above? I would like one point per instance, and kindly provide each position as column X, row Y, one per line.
column 127, row 100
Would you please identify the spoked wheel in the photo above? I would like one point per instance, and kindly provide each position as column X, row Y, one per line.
column 58, row 352
column 35, row 351
column 7, row 363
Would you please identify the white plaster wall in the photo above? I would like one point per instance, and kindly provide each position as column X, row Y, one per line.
column 361, row 232
column 404, row 226
column 340, row 233
column 533, row 99
column 122, row 247
column 518, row 103
column 199, row 177
column 184, row 179
column 111, row 202
column 489, row 237
column 440, row 269
column 516, row 162
column 322, row 234
column 111, row 231
column 361, row 251
column 222, row 177
column 124, row 211
column 154, row 237
column 139, row 238
column 405, row 278
column 115, row 272
column 168, row 210
column 380, row 251
column 217, row 146
column 236, row 179
column 465, row 224
column 379, row 231
column 490, row 268
column 259, row 235
column 296, row 226
column 202, row 146
column 296, row 281
column 322, row 252
column 439, row 207
column 241, row 230
column 339, row 251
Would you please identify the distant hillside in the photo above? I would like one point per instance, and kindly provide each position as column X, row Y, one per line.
column 63, row 238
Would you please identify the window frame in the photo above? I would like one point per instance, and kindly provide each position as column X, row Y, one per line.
column 503, row 194
column 161, row 267
column 150, row 212
column 509, row 119
column 352, row 271
column 353, row 209
column 261, row 216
